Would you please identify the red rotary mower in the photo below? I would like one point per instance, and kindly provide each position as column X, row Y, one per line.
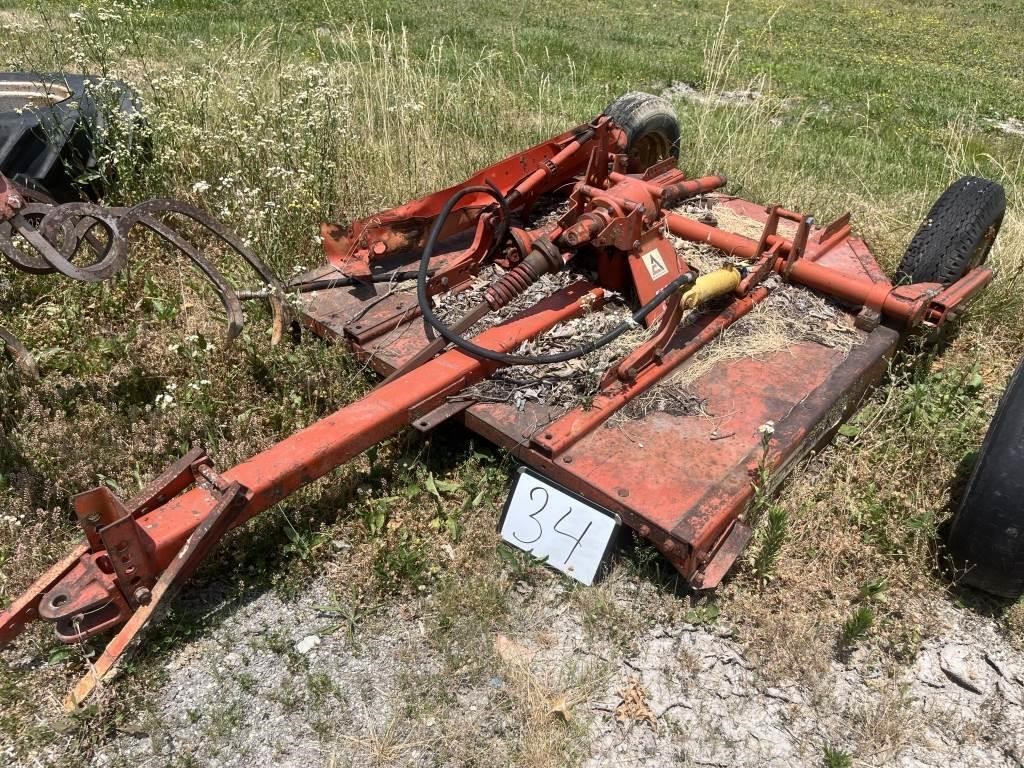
column 680, row 480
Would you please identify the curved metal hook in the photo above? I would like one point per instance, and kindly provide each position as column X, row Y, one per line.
column 56, row 232
column 224, row 289
column 201, row 217
column 19, row 353
column 111, row 260
column 36, row 265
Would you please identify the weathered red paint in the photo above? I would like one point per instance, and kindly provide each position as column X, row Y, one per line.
column 682, row 481
column 25, row 609
column 560, row 435
column 377, row 239
column 689, row 487
column 330, row 442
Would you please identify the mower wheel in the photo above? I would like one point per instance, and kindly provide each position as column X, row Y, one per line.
column 986, row 535
column 51, row 127
column 651, row 128
column 957, row 233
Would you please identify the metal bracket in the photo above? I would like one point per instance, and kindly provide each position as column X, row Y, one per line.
column 441, row 414
column 868, row 319
column 26, row 608
column 841, row 224
column 728, row 549
column 652, row 350
column 766, row 253
column 105, row 580
column 198, row 546
column 110, row 524
column 661, row 167
column 799, row 244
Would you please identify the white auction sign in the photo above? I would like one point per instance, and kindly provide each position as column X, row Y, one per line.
column 559, row 526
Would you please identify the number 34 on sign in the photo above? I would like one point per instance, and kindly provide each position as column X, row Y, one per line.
column 560, row 527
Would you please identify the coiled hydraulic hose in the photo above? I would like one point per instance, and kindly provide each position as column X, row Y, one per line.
column 489, row 354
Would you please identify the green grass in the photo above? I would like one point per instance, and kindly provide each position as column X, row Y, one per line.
column 297, row 112
column 834, row 757
column 892, row 80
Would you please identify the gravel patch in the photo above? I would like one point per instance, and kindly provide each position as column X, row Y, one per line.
column 714, row 708
column 689, row 695
column 686, row 92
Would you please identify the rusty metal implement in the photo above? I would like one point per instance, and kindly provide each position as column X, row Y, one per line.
column 672, row 478
column 56, row 233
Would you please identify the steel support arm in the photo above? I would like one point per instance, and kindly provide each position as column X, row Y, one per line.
column 84, row 596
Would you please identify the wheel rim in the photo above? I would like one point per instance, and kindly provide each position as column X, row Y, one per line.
column 984, row 246
column 647, row 150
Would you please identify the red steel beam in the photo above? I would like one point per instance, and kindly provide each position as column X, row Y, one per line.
column 566, row 431
column 880, row 296
column 521, row 177
column 314, row 451
column 728, row 242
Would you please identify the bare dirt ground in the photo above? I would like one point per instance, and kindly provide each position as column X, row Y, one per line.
column 288, row 684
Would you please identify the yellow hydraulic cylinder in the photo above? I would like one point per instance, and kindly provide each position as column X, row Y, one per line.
column 712, row 285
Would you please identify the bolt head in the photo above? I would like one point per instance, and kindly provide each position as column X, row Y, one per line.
column 143, row 596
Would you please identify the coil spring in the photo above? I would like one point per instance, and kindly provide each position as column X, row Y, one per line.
column 511, row 284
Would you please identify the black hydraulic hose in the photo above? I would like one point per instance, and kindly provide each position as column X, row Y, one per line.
column 489, row 354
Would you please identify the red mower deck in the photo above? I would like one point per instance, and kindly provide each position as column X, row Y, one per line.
column 680, row 481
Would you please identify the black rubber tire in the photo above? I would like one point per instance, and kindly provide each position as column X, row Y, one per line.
column 957, row 233
column 49, row 146
column 986, row 536
column 651, row 127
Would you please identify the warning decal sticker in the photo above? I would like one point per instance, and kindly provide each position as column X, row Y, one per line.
column 655, row 264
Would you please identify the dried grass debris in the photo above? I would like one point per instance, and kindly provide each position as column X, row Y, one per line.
column 563, row 385
column 791, row 314
column 634, row 707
